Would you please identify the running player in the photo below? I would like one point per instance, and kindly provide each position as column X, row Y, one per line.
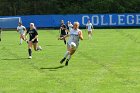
column 70, row 26
column 89, row 27
column 33, row 39
column 73, row 42
column 21, row 29
column 0, row 33
column 62, row 31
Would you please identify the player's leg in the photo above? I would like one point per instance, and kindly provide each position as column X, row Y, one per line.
column 30, row 49
column 65, row 41
column 35, row 46
column 66, row 54
column 71, row 52
column 61, row 38
column 89, row 34
column 23, row 37
column 20, row 39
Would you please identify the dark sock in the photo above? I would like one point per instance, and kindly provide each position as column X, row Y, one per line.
column 65, row 41
column 30, row 52
column 62, row 60
column 67, row 62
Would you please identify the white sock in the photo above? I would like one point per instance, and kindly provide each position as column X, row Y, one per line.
column 66, row 54
column 69, row 57
column 21, row 41
column 90, row 37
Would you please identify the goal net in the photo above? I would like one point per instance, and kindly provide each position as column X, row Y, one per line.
column 9, row 22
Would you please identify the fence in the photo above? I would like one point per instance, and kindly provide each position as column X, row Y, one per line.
column 98, row 20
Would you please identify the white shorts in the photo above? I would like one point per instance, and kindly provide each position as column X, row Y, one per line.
column 69, row 45
column 21, row 33
column 90, row 30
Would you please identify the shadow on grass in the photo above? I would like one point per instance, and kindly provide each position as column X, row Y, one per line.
column 53, row 68
column 14, row 58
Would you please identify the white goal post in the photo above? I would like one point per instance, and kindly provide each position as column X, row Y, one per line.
column 9, row 22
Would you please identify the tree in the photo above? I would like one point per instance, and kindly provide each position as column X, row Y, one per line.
column 36, row 7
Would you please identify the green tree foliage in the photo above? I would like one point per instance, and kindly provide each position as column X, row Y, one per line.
column 33, row 7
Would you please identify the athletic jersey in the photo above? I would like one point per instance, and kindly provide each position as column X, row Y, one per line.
column 70, row 27
column 74, row 36
column 21, row 29
column 32, row 33
column 63, row 32
column 89, row 25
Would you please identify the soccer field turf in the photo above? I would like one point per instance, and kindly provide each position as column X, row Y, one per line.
column 109, row 63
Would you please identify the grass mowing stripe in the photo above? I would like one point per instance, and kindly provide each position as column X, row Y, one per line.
column 32, row 64
column 109, row 63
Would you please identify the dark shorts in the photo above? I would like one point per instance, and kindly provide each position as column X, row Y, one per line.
column 62, row 35
column 35, row 41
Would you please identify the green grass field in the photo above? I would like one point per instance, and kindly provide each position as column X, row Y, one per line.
column 109, row 63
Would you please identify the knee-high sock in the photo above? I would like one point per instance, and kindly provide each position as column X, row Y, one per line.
column 66, row 54
column 20, row 40
column 65, row 41
column 30, row 52
column 69, row 57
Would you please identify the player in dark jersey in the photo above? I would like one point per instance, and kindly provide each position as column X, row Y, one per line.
column 33, row 39
column 62, row 31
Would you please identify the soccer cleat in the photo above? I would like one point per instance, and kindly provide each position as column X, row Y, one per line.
column 39, row 48
column 30, row 57
column 59, row 38
column 62, row 60
column 67, row 61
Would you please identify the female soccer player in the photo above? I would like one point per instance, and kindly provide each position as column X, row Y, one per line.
column 62, row 31
column 73, row 42
column 70, row 26
column 33, row 39
column 21, row 29
column 89, row 27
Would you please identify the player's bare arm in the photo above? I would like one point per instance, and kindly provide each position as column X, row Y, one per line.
column 81, row 35
column 35, row 38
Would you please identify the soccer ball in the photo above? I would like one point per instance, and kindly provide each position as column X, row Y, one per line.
column 73, row 45
column 39, row 48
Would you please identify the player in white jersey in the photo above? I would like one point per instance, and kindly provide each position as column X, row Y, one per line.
column 89, row 27
column 70, row 26
column 21, row 29
column 73, row 42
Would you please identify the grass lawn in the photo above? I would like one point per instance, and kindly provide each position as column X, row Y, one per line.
column 109, row 63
